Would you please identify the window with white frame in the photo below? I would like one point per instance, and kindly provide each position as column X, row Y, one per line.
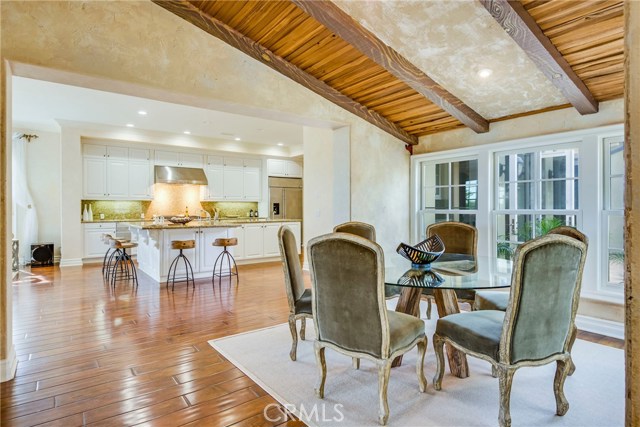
column 613, row 215
column 448, row 192
column 535, row 190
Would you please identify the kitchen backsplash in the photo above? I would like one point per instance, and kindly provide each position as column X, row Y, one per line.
column 126, row 209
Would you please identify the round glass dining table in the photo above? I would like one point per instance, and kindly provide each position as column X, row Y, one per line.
column 443, row 276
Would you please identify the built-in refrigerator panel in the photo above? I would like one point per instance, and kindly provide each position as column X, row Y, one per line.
column 292, row 203
column 276, row 202
column 285, row 198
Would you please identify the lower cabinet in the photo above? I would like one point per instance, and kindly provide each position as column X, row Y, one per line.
column 208, row 252
column 260, row 240
column 202, row 258
column 93, row 244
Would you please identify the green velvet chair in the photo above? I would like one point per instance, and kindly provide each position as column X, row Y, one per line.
column 498, row 300
column 458, row 238
column 350, row 314
column 298, row 297
column 537, row 325
column 361, row 229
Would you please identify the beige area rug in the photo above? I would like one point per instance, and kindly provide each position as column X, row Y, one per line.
column 595, row 391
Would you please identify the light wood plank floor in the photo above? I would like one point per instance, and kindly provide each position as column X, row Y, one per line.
column 89, row 355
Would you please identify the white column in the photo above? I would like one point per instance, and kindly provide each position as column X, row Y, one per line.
column 71, row 237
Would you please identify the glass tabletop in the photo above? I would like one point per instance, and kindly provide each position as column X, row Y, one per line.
column 450, row 271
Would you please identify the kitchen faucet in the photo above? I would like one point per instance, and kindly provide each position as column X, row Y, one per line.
column 206, row 214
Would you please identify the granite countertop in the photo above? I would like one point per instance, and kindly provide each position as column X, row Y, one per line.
column 222, row 221
column 149, row 225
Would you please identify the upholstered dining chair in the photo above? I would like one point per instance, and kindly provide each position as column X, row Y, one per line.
column 361, row 229
column 298, row 297
column 498, row 300
column 458, row 238
column 350, row 314
column 537, row 325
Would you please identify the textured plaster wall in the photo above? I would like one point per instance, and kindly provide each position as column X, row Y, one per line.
column 568, row 119
column 141, row 43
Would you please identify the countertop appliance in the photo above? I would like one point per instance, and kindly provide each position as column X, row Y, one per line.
column 285, row 198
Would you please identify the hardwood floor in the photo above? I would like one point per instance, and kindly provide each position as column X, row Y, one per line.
column 89, row 355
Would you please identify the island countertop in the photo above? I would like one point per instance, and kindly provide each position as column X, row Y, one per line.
column 149, row 225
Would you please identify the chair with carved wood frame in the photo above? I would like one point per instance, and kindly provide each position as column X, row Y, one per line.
column 298, row 297
column 537, row 326
column 350, row 313
column 361, row 229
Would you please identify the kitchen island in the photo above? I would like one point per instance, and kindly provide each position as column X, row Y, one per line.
column 257, row 242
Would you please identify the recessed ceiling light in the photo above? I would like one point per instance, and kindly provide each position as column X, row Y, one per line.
column 187, row 132
column 280, row 144
column 142, row 112
column 237, row 138
column 484, row 73
column 130, row 125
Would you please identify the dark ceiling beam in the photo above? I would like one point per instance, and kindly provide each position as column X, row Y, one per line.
column 342, row 24
column 522, row 28
column 219, row 29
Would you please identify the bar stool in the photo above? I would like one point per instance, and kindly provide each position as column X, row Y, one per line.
column 180, row 245
column 231, row 241
column 106, row 239
column 123, row 268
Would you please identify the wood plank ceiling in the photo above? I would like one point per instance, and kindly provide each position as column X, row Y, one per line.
column 588, row 34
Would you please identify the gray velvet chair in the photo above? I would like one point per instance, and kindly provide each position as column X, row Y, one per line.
column 350, row 314
column 537, row 325
column 298, row 297
column 498, row 300
column 361, row 229
column 458, row 238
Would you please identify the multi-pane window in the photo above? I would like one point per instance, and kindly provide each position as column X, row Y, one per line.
column 449, row 192
column 535, row 190
column 613, row 213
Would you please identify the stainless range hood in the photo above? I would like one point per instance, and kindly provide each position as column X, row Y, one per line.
column 176, row 175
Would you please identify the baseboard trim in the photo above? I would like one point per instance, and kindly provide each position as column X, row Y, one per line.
column 71, row 262
column 8, row 366
column 600, row 326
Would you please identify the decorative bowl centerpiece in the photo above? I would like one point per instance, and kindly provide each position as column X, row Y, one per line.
column 180, row 219
column 424, row 253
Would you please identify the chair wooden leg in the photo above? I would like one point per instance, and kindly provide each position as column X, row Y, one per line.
column 355, row 362
column 322, row 369
column 384, row 369
column 562, row 370
column 294, row 337
column 438, row 348
column 494, row 371
column 303, row 328
column 422, row 350
column 429, row 304
column 572, row 340
column 505, row 377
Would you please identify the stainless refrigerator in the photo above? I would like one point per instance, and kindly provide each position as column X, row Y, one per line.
column 285, row 198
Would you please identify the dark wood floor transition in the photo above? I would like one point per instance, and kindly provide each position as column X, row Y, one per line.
column 89, row 355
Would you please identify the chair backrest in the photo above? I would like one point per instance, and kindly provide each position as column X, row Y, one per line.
column 348, row 302
column 361, row 229
column 293, row 279
column 458, row 237
column 545, row 290
column 571, row 232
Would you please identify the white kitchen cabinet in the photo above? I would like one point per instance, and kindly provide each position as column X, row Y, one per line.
column 91, row 150
column 140, row 180
column 170, row 254
column 233, row 179
column 95, row 177
column 117, row 153
column 238, row 250
column 208, row 252
column 117, row 178
column 252, row 180
column 139, row 154
column 284, row 168
column 260, row 240
column 297, row 232
column 174, row 158
column 190, row 160
column 270, row 244
column 93, row 244
column 253, row 241
column 215, row 178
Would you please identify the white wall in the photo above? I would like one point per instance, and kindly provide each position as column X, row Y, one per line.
column 71, row 236
column 43, row 178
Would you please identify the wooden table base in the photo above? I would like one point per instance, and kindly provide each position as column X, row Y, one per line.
column 447, row 303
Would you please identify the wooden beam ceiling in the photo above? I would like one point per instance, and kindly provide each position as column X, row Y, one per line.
column 524, row 30
column 229, row 35
column 335, row 19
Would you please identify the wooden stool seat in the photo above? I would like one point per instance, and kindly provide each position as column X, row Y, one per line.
column 106, row 238
column 230, row 241
column 183, row 244
column 118, row 244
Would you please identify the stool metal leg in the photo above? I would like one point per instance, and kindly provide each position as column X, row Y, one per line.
column 188, row 269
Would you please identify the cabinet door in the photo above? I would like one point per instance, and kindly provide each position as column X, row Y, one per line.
column 295, row 227
column 117, row 178
column 208, row 252
column 238, row 233
column 139, row 154
column 294, row 169
column 270, row 245
column 233, row 183
column 166, row 158
column 95, row 177
column 139, row 179
column 171, row 254
column 90, row 150
column 252, row 180
column 189, row 160
column 120, row 153
column 93, row 244
column 253, row 240
column 276, row 167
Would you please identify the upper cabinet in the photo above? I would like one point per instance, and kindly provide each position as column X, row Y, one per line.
column 284, row 168
column 174, row 158
column 233, row 179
